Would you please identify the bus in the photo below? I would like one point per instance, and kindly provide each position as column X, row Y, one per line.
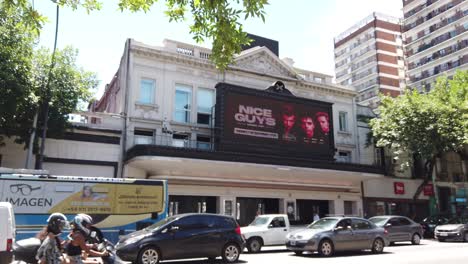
column 118, row 206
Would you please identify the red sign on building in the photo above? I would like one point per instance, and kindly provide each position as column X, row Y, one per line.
column 399, row 187
column 429, row 189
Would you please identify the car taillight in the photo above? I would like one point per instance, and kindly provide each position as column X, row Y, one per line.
column 385, row 231
column 238, row 230
column 9, row 244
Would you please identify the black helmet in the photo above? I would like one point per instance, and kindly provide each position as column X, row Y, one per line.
column 56, row 223
column 81, row 220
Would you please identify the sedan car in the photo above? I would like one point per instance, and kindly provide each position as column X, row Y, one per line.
column 399, row 228
column 331, row 234
column 184, row 236
column 455, row 229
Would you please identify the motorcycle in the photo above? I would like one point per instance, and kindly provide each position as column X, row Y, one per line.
column 25, row 250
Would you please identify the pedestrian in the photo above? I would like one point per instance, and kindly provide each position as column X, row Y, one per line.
column 316, row 217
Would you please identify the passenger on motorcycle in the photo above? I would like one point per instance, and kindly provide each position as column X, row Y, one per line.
column 77, row 243
column 50, row 251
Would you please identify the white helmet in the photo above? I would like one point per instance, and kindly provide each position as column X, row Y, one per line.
column 81, row 220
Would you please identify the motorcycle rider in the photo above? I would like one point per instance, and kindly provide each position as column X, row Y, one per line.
column 77, row 242
column 50, row 250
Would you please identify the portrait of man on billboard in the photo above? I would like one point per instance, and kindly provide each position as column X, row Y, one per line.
column 324, row 122
column 289, row 123
column 308, row 128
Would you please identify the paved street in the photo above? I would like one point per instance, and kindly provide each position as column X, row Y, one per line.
column 429, row 252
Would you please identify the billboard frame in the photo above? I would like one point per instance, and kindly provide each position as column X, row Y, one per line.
column 226, row 144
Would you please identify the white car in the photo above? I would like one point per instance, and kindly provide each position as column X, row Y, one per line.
column 7, row 232
column 266, row 230
column 455, row 229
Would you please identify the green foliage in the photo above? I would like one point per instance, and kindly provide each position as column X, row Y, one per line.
column 24, row 73
column 16, row 51
column 215, row 20
column 426, row 125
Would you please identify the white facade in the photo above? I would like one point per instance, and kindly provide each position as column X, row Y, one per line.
column 159, row 77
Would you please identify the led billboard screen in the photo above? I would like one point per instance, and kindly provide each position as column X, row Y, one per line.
column 273, row 124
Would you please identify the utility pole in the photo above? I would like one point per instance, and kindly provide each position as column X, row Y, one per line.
column 46, row 98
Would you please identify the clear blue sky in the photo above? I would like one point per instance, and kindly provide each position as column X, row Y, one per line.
column 304, row 28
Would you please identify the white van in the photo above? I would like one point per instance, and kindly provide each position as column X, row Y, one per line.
column 7, row 232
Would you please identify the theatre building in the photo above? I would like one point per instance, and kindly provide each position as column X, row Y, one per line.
column 261, row 137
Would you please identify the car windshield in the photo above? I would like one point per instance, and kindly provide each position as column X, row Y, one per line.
column 324, row 223
column 161, row 223
column 458, row 220
column 379, row 221
column 259, row 221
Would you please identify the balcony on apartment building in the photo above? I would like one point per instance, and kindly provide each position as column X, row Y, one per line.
column 417, row 8
column 204, row 147
column 439, row 54
column 431, row 15
column 440, row 68
column 426, row 32
column 442, row 38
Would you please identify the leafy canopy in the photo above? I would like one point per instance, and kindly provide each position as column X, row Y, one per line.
column 425, row 124
column 24, row 73
column 216, row 20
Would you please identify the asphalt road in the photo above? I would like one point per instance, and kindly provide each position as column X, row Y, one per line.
column 429, row 252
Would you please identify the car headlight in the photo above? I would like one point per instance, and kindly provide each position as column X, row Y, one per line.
column 133, row 240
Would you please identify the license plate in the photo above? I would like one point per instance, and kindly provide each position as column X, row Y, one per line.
column 443, row 234
column 293, row 243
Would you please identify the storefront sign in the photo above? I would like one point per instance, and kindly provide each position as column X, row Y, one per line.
column 399, row 187
column 428, row 190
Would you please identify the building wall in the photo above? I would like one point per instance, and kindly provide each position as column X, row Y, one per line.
column 369, row 57
column 435, row 40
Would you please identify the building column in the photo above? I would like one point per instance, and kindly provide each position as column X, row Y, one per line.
column 337, row 207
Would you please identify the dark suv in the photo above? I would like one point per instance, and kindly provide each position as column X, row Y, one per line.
column 184, row 236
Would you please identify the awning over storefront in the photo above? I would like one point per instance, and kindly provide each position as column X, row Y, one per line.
column 223, row 173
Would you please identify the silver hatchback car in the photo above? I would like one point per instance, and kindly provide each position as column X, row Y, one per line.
column 331, row 234
column 399, row 228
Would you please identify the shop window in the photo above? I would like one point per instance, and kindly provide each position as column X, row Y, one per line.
column 205, row 102
column 143, row 136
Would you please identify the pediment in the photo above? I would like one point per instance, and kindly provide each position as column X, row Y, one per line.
column 263, row 61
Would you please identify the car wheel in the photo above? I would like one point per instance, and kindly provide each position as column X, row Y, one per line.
column 326, row 248
column 378, row 246
column 254, row 245
column 415, row 239
column 298, row 252
column 149, row 255
column 465, row 237
column 231, row 253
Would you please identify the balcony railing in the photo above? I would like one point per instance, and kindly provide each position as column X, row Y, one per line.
column 203, row 147
column 441, row 38
column 431, row 14
column 440, row 54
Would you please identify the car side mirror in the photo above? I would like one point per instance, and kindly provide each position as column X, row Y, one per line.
column 387, row 225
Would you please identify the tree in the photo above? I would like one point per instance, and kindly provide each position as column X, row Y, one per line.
column 23, row 74
column 213, row 20
column 16, row 52
column 425, row 125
